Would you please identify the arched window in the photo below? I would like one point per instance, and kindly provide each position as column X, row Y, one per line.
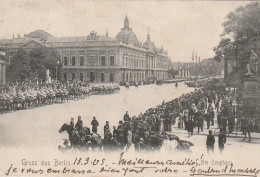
column 81, row 77
column 65, row 76
column 73, row 76
column 111, row 77
column 102, row 77
column 92, row 77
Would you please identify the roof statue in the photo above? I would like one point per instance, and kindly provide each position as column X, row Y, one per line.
column 126, row 34
column 92, row 35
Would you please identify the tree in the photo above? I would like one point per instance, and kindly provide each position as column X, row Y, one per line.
column 241, row 34
column 173, row 72
column 20, row 68
column 43, row 59
column 32, row 65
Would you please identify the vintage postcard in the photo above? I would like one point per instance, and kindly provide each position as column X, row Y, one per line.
column 129, row 88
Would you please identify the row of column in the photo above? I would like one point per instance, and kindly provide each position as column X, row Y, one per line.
column 151, row 62
column 136, row 76
column 184, row 73
column 2, row 73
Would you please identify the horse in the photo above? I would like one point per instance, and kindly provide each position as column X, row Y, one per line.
column 73, row 134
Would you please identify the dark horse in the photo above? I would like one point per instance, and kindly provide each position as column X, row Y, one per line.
column 74, row 137
column 73, row 134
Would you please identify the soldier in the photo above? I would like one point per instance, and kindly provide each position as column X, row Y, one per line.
column 107, row 133
column 79, row 123
column 72, row 122
column 94, row 124
column 126, row 117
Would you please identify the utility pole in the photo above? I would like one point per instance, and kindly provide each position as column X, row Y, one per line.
column 58, row 62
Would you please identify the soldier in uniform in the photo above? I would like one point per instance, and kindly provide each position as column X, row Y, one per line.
column 107, row 133
column 79, row 123
column 94, row 124
column 72, row 122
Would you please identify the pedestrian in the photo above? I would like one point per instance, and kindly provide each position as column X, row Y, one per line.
column 79, row 123
column 248, row 127
column 208, row 119
column 210, row 142
column 221, row 140
column 94, row 124
column 190, row 127
column 186, row 119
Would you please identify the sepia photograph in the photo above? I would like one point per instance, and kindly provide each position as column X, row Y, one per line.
column 129, row 88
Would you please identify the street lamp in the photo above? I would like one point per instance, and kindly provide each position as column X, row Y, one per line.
column 58, row 62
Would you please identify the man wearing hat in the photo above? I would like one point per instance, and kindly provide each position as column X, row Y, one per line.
column 79, row 123
column 210, row 142
column 94, row 124
column 72, row 122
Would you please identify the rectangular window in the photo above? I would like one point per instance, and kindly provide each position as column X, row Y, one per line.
column 73, row 76
column 81, row 77
column 81, row 60
column 65, row 61
column 92, row 61
column 103, row 60
column 112, row 60
column 126, row 61
column 73, row 60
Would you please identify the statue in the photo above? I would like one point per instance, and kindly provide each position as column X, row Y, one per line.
column 252, row 65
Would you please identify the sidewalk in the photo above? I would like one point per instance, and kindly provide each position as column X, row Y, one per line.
column 234, row 136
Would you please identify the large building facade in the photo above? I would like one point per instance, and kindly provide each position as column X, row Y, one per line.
column 97, row 58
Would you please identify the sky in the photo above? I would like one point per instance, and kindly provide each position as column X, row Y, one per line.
column 179, row 26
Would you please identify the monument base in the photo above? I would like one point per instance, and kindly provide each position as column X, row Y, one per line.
column 251, row 95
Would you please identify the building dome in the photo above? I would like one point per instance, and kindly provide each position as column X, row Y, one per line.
column 39, row 34
column 126, row 34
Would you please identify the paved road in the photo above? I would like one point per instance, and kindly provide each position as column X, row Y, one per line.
column 39, row 127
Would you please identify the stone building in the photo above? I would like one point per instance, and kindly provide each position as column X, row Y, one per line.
column 97, row 58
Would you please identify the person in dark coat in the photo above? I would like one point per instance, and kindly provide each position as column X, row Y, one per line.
column 210, row 142
column 115, row 132
column 107, row 133
column 126, row 117
column 94, row 124
column 190, row 127
column 248, row 128
column 72, row 122
column 79, row 123
column 221, row 140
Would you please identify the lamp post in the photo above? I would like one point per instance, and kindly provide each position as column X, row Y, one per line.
column 58, row 62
